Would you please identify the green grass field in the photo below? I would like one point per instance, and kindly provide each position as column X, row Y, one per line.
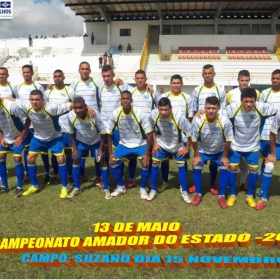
column 46, row 215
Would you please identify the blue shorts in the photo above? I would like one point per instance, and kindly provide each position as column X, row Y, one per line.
column 29, row 137
column 213, row 158
column 123, row 153
column 12, row 149
column 67, row 140
column 252, row 158
column 164, row 155
column 115, row 138
column 41, row 147
column 83, row 149
column 265, row 148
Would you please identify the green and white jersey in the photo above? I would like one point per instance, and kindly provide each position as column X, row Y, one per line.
column 7, row 90
column 22, row 91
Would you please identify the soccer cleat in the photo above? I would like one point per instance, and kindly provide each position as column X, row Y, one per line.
column 73, row 193
column 251, row 202
column 192, row 188
column 197, row 199
column 222, row 202
column 163, row 187
column 129, row 185
column 26, row 179
column 143, row 193
column 213, row 190
column 31, row 190
column 152, row 195
column 186, row 198
column 99, row 183
column 108, row 194
column 3, row 190
column 18, row 192
column 118, row 191
column 63, row 193
column 261, row 204
column 243, row 188
column 47, row 180
column 231, row 200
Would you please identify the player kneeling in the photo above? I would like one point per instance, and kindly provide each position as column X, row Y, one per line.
column 168, row 143
column 211, row 136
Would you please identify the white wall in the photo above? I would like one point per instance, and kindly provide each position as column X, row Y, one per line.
column 222, row 41
column 99, row 30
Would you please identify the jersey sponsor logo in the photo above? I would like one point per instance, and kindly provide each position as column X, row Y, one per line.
column 89, row 86
column 252, row 117
column 43, row 116
column 146, row 96
column 62, row 94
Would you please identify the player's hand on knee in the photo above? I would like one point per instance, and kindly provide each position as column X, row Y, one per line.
column 196, row 161
column 156, row 148
column 4, row 143
column 146, row 160
column 270, row 158
column 183, row 152
column 18, row 141
column 225, row 162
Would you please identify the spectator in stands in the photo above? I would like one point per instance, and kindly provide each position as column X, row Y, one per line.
column 80, row 35
column 45, row 37
column 85, row 35
column 105, row 57
column 161, row 90
column 111, row 62
column 92, row 38
column 31, row 63
column 41, row 37
column 36, row 37
column 128, row 48
column 100, row 61
column 30, row 41
column 120, row 47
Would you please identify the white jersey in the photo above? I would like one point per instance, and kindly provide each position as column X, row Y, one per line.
column 133, row 127
column 88, row 90
column 247, row 126
column 269, row 96
column 201, row 92
column 169, row 130
column 110, row 98
column 181, row 102
column 234, row 95
column 60, row 96
column 22, row 91
column 7, row 90
column 275, row 127
column 88, row 129
column 11, row 117
column 46, row 121
column 145, row 100
column 211, row 136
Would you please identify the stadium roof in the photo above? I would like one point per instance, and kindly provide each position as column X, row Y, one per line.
column 125, row 10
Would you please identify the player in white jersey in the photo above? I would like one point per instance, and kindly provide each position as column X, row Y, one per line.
column 168, row 143
column 90, row 137
column 211, row 137
column 6, row 88
column 199, row 95
column 270, row 161
column 146, row 101
column 247, row 119
column 234, row 95
column 12, row 139
column 88, row 89
column 182, row 102
column 270, row 96
column 22, row 92
column 60, row 94
column 47, row 136
column 135, row 130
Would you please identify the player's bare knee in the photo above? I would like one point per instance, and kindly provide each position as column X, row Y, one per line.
column 155, row 163
column 60, row 159
column 17, row 159
column 253, row 170
column 233, row 168
column 31, row 158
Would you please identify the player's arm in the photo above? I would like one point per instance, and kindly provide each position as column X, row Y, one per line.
column 224, row 158
column 272, row 156
column 185, row 150
column 74, row 145
column 156, row 146
column 197, row 157
column 186, row 127
column 20, row 138
column 146, row 157
column 8, row 98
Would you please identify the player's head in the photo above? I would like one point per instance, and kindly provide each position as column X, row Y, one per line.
column 36, row 99
column 243, row 79
column 4, row 74
column 140, row 79
column 79, row 106
column 108, row 75
column 248, row 98
column 208, row 74
column 164, row 107
column 126, row 99
column 27, row 73
column 275, row 79
column 212, row 106
column 176, row 83
column 58, row 78
column 84, row 70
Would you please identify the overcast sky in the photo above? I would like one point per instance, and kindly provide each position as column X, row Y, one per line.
column 40, row 17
